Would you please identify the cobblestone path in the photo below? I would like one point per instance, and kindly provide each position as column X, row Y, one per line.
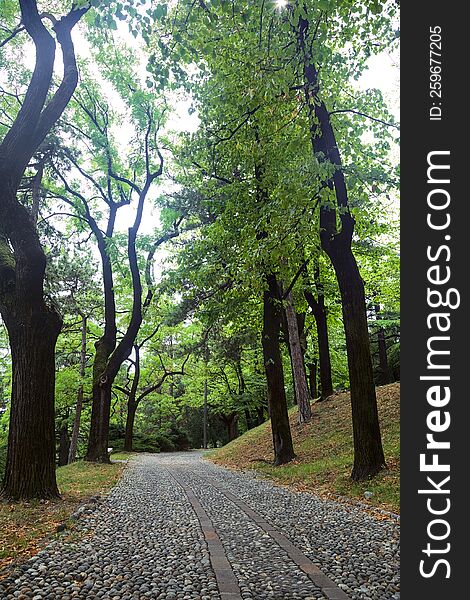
column 179, row 528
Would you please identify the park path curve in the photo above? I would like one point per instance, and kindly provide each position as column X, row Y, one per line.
column 177, row 527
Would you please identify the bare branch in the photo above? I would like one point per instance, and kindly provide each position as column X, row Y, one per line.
column 357, row 112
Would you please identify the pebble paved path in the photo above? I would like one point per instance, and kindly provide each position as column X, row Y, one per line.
column 179, row 528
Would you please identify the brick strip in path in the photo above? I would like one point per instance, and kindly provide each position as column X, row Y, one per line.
column 226, row 580
column 328, row 587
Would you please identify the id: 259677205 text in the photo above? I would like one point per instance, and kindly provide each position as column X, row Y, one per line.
column 435, row 73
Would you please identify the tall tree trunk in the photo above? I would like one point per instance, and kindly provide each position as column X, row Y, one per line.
column 76, row 426
column 321, row 324
column 110, row 356
column 132, row 402
column 231, row 422
column 30, row 466
column 97, row 450
column 282, row 438
column 319, row 312
column 33, row 326
column 297, row 362
column 302, row 334
column 79, row 406
column 64, row 445
column 130, row 419
column 368, row 452
column 312, row 378
column 385, row 373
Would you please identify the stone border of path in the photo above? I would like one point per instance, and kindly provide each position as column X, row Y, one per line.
column 327, row 585
column 224, row 575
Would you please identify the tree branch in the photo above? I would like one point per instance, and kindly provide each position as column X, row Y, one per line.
column 357, row 112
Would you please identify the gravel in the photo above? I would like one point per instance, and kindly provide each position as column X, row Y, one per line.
column 262, row 568
column 357, row 551
column 144, row 541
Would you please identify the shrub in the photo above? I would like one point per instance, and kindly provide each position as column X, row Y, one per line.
column 179, row 438
column 394, row 361
column 145, row 443
column 164, row 442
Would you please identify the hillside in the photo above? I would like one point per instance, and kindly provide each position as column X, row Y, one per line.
column 324, row 451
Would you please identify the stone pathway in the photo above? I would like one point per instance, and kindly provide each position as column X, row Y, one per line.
column 177, row 527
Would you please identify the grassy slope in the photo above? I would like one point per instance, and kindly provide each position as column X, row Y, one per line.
column 324, row 451
column 26, row 526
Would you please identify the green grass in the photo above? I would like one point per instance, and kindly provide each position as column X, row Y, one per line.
column 84, row 479
column 121, row 455
column 26, row 526
column 324, row 452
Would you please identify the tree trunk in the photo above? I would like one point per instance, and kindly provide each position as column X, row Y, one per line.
column 312, row 378
column 321, row 323
column 282, row 439
column 302, row 335
column 76, row 426
column 318, row 309
column 368, row 452
column 298, row 367
column 33, row 326
column 97, row 450
column 78, row 409
column 232, row 427
column 30, row 466
column 64, row 445
column 130, row 419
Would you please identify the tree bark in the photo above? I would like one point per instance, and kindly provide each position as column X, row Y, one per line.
column 321, row 324
column 78, row 408
column 282, row 438
column 132, row 402
column 233, row 428
column 368, row 452
column 33, row 325
column 30, row 466
column 298, row 365
column 97, row 450
column 231, row 423
column 130, row 419
column 312, row 378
